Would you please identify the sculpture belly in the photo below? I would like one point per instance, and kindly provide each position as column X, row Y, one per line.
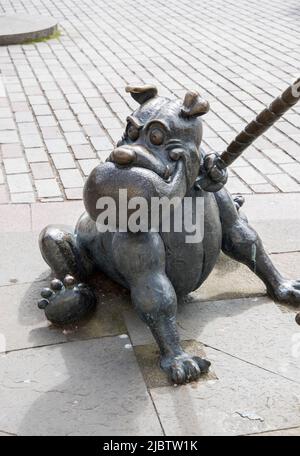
column 189, row 264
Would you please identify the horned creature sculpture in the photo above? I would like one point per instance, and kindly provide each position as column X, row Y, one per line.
column 160, row 155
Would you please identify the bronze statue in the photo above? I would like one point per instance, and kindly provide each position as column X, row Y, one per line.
column 160, row 155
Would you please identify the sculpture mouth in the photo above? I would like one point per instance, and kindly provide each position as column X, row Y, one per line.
column 125, row 158
column 166, row 174
column 107, row 181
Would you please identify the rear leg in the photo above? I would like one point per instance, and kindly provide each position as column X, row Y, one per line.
column 241, row 242
column 67, row 300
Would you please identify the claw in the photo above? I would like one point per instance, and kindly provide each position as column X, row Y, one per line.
column 177, row 375
column 193, row 370
column 203, row 364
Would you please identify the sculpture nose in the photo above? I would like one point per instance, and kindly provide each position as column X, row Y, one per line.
column 123, row 155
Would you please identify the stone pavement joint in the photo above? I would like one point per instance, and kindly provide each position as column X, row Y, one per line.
column 62, row 101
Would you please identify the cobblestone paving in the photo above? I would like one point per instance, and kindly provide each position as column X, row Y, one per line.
column 63, row 104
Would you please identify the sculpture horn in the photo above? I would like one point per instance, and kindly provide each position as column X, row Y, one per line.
column 141, row 94
column 194, row 105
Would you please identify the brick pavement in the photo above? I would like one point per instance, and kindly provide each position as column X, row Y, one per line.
column 63, row 105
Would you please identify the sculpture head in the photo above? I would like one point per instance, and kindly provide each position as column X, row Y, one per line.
column 159, row 153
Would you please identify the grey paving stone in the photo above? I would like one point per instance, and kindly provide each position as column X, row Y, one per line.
column 56, row 146
column 69, row 125
column 19, row 183
column 236, row 185
column 244, row 400
column 15, row 165
column 41, row 170
column 15, row 218
column 17, row 247
column 74, row 138
column 104, row 154
column 41, row 110
column 74, row 193
column 71, row 178
column 266, row 212
column 97, row 383
column 4, row 197
column 285, row 183
column 63, row 161
column 66, row 213
column 7, row 124
column 32, row 140
column 26, row 197
column 88, row 165
column 23, row 325
column 8, row 136
column 235, row 280
column 64, row 114
column 293, row 169
column 51, row 133
column 264, row 188
column 101, row 143
column 282, row 432
column 250, row 175
column 278, row 156
column 83, row 151
column 265, row 166
column 24, row 116
column 47, row 188
column 11, row 150
column 36, row 155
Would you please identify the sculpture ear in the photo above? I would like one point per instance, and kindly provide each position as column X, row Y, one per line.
column 194, row 105
column 141, row 94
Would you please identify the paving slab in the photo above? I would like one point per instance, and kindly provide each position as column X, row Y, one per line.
column 23, row 325
column 65, row 213
column 295, row 432
column 15, row 218
column 148, row 359
column 18, row 28
column 252, row 329
column 21, row 258
column 230, row 279
column 276, row 219
column 80, row 388
column 244, row 400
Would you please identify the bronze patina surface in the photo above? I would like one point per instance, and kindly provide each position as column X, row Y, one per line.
column 160, row 155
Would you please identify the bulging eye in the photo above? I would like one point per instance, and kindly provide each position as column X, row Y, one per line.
column 157, row 136
column 133, row 132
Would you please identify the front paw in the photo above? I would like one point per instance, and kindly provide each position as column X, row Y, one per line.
column 66, row 302
column 213, row 176
column 287, row 292
column 184, row 368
